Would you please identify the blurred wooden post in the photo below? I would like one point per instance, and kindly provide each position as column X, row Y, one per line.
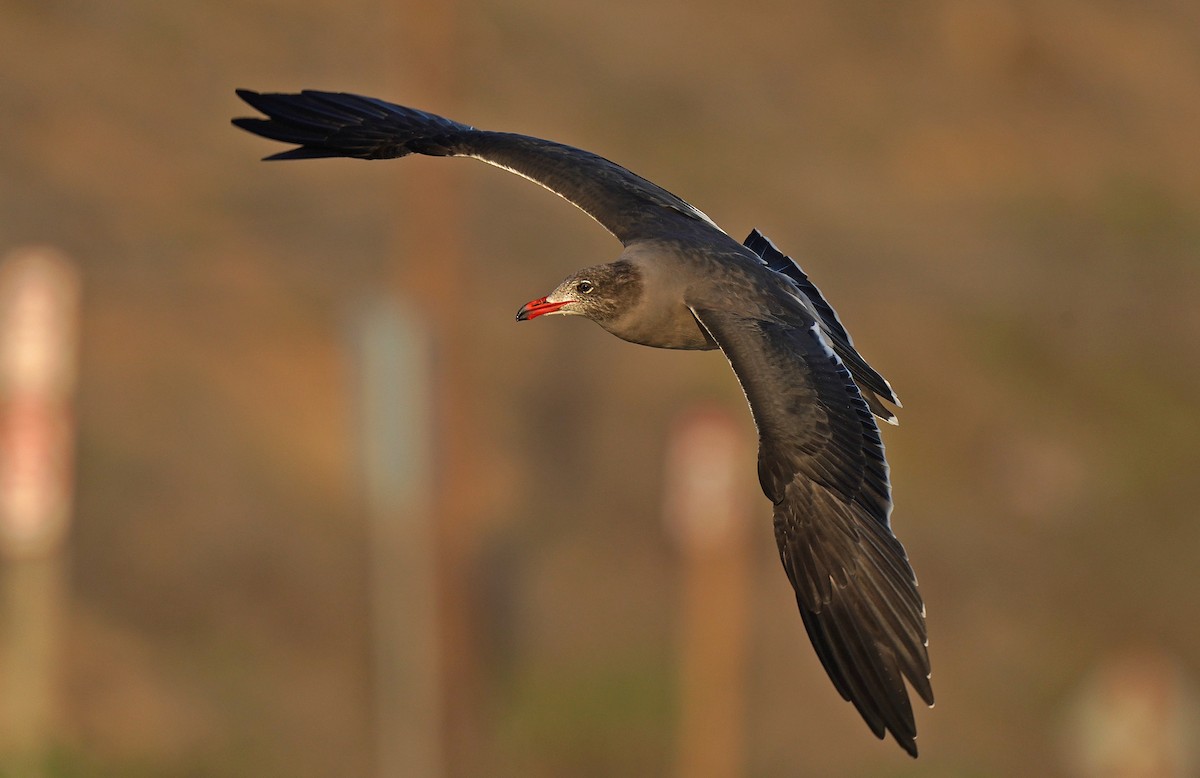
column 706, row 513
column 39, row 301
column 395, row 409
column 431, row 254
column 1137, row 716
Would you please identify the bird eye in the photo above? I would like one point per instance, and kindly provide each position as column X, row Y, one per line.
column 584, row 287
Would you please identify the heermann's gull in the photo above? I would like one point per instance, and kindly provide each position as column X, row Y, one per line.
column 683, row 283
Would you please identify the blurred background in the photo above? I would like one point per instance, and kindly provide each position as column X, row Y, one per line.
column 1001, row 198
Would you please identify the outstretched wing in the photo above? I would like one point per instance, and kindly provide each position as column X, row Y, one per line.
column 871, row 384
column 333, row 124
column 821, row 462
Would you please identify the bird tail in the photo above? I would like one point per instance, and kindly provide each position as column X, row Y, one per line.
column 334, row 124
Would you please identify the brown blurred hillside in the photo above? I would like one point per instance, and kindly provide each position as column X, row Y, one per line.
column 1002, row 199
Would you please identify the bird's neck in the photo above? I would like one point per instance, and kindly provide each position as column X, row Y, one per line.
column 657, row 315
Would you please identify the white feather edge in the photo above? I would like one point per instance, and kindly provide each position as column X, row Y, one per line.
column 693, row 210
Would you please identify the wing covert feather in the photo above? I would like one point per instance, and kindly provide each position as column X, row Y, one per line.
column 821, row 462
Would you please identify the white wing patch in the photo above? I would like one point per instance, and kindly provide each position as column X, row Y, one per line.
column 832, row 310
column 829, row 352
column 694, row 211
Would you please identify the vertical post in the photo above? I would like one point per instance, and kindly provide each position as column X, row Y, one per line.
column 706, row 514
column 1137, row 716
column 395, row 406
column 39, row 300
column 429, row 236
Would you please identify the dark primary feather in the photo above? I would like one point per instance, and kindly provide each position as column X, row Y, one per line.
column 330, row 124
column 821, row 462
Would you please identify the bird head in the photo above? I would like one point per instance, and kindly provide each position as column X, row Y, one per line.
column 600, row 292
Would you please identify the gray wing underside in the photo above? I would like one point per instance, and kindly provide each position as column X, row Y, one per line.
column 821, row 462
column 334, row 124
